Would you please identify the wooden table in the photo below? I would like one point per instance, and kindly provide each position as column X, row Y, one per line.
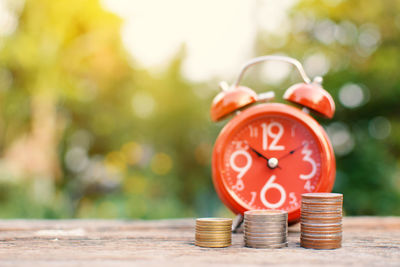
column 367, row 241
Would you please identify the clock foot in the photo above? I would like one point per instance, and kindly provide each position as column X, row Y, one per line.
column 237, row 223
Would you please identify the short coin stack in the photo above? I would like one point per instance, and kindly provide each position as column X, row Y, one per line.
column 213, row 232
column 265, row 228
column 321, row 220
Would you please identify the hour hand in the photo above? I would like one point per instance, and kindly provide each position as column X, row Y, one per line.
column 258, row 153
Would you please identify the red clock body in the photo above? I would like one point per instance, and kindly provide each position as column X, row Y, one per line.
column 268, row 155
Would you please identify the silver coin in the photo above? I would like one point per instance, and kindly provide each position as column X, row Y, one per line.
column 285, row 244
column 252, row 243
column 266, row 240
column 266, row 225
column 280, row 221
column 265, row 212
column 265, row 235
column 265, row 230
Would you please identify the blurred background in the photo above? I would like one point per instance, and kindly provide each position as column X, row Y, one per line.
column 104, row 105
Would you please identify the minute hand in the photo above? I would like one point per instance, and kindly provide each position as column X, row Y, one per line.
column 291, row 152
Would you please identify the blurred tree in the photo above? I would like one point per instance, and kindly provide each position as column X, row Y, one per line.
column 84, row 133
column 355, row 46
column 64, row 61
column 121, row 142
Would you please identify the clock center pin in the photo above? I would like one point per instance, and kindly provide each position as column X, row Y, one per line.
column 273, row 163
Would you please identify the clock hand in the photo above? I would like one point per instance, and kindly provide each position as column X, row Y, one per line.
column 272, row 163
column 291, row 151
column 258, row 153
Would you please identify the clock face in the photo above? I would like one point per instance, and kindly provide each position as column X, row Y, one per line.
column 270, row 161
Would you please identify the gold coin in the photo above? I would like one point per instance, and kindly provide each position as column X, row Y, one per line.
column 212, row 236
column 214, row 228
column 216, row 225
column 213, row 221
column 213, row 244
column 227, row 240
column 216, row 232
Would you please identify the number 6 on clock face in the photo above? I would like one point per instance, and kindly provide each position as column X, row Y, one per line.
column 269, row 185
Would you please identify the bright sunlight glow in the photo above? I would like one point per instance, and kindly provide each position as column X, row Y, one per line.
column 217, row 36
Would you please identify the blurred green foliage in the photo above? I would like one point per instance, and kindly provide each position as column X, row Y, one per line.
column 85, row 134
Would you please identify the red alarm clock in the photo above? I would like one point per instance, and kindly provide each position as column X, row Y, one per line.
column 269, row 154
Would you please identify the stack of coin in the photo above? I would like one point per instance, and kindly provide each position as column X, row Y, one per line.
column 213, row 232
column 321, row 220
column 265, row 228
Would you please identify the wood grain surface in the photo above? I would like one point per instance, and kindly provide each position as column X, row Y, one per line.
column 368, row 241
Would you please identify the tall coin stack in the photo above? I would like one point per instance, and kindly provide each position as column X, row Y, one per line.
column 213, row 232
column 321, row 220
column 265, row 228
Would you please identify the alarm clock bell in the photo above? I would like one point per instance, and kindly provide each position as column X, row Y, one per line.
column 312, row 96
column 231, row 99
